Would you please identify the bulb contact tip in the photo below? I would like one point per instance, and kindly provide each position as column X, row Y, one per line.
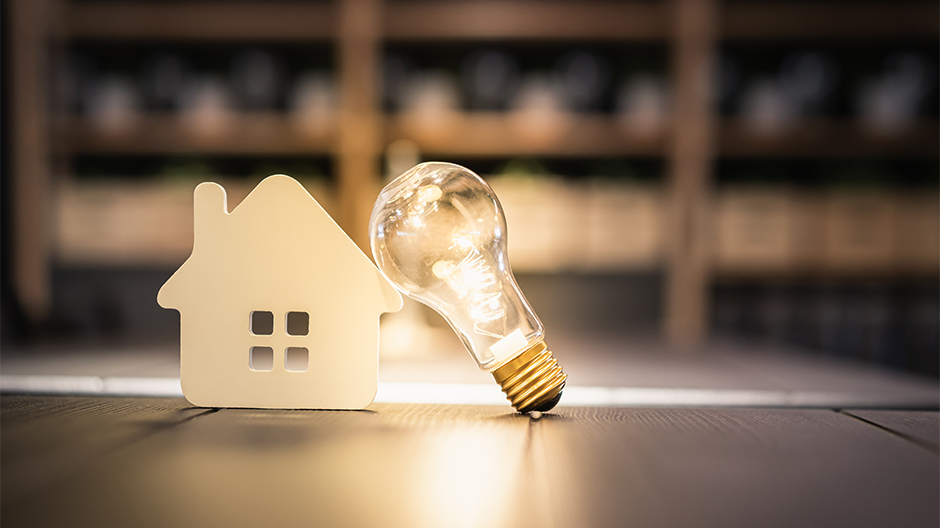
column 533, row 380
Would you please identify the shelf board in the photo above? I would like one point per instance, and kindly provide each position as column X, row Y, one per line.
column 501, row 135
column 861, row 272
column 830, row 21
column 526, row 20
column 828, row 138
column 201, row 20
column 495, row 134
column 268, row 133
column 594, row 20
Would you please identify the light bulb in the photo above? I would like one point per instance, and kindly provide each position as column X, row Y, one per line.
column 439, row 235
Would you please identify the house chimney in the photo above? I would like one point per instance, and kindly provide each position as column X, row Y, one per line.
column 210, row 207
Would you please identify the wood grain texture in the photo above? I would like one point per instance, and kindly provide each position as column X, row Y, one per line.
column 592, row 21
column 201, row 20
column 512, row 134
column 591, row 359
column 922, row 427
column 360, row 123
column 691, row 154
column 411, row 465
column 829, row 20
column 491, row 134
column 43, row 439
column 260, row 133
column 30, row 171
column 827, row 138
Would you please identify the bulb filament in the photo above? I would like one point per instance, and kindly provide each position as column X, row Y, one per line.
column 471, row 278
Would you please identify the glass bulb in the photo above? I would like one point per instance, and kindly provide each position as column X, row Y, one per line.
column 439, row 235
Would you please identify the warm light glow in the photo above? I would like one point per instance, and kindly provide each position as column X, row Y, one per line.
column 438, row 233
column 467, row 477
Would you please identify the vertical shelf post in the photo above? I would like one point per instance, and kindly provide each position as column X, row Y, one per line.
column 30, row 184
column 691, row 161
column 360, row 122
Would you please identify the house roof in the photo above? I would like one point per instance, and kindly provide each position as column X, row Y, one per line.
column 277, row 235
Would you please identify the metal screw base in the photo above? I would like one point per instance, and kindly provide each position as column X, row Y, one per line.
column 533, row 380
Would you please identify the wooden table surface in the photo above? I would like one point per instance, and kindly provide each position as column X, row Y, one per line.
column 97, row 461
column 145, row 461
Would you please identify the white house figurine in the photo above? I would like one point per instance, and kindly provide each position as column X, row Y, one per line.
column 278, row 307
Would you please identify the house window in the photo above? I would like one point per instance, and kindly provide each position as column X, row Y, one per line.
column 261, row 323
column 296, row 359
column 261, row 358
column 298, row 323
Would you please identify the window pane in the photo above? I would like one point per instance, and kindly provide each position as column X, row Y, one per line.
column 298, row 323
column 261, row 323
column 261, row 358
column 296, row 359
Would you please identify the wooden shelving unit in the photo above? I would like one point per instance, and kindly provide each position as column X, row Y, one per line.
column 828, row 21
column 497, row 135
column 260, row 133
column 526, row 20
column 198, row 21
column 827, row 138
column 357, row 30
column 494, row 134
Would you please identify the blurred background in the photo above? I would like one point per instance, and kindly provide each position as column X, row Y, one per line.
column 676, row 171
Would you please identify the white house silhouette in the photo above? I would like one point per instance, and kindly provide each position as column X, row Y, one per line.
column 278, row 307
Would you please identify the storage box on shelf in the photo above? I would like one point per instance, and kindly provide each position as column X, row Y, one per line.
column 132, row 222
column 624, row 226
column 547, row 220
column 848, row 233
column 763, row 230
column 917, row 232
column 859, row 229
column 589, row 226
column 124, row 223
